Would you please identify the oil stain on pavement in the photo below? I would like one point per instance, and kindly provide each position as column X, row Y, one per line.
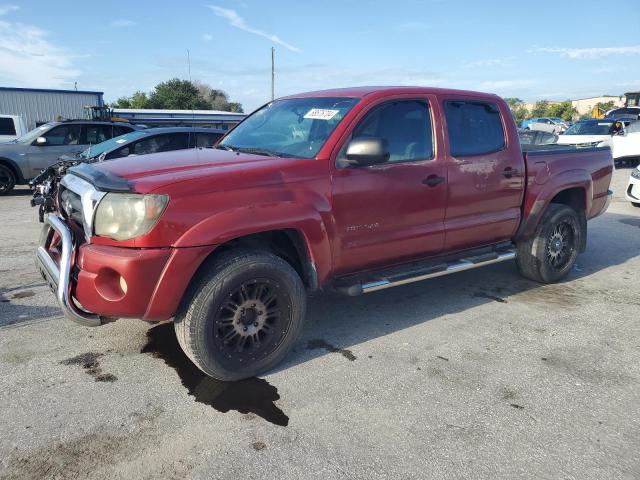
column 324, row 345
column 254, row 395
column 90, row 363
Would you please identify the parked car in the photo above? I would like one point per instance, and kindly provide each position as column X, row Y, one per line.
column 625, row 147
column 592, row 132
column 536, row 138
column 151, row 140
column 546, row 124
column 633, row 189
column 24, row 158
column 11, row 127
column 352, row 190
column 138, row 142
column 626, row 113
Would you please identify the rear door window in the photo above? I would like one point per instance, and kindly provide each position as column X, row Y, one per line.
column 474, row 128
column 7, row 127
column 161, row 143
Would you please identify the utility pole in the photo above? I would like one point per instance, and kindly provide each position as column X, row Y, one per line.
column 273, row 73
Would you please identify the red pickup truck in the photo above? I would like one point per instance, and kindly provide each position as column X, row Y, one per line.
column 353, row 190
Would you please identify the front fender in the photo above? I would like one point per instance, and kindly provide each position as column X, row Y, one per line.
column 307, row 216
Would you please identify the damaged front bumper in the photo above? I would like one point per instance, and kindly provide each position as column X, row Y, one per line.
column 58, row 275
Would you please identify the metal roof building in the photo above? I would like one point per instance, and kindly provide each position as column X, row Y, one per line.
column 180, row 118
column 42, row 105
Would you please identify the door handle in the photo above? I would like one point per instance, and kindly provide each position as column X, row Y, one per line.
column 433, row 180
column 509, row 172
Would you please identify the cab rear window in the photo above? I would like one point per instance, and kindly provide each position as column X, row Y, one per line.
column 474, row 128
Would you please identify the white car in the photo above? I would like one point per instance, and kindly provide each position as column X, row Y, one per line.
column 625, row 147
column 11, row 127
column 633, row 190
column 590, row 133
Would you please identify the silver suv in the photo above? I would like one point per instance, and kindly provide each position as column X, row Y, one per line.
column 24, row 158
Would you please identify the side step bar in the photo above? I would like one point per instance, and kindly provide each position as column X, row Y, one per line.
column 381, row 281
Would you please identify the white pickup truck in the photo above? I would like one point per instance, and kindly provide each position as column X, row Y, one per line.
column 11, row 127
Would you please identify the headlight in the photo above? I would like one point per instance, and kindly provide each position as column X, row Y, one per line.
column 123, row 216
column 636, row 173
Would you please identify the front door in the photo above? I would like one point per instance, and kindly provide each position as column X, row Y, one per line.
column 394, row 212
column 60, row 140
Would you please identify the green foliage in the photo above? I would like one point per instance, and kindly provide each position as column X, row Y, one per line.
column 540, row 109
column 606, row 106
column 518, row 109
column 564, row 110
column 176, row 94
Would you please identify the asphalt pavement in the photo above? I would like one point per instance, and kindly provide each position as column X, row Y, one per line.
column 480, row 375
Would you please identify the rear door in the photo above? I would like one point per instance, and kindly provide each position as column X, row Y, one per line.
column 485, row 175
column 389, row 213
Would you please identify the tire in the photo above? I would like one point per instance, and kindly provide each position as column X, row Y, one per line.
column 7, row 180
column 241, row 314
column 635, row 204
column 549, row 255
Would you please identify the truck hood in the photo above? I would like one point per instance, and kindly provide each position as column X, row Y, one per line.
column 147, row 173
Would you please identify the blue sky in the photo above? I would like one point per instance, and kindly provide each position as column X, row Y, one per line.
column 532, row 50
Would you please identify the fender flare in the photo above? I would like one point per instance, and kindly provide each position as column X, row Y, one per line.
column 576, row 178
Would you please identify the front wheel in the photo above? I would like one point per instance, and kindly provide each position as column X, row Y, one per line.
column 549, row 255
column 7, row 180
column 241, row 314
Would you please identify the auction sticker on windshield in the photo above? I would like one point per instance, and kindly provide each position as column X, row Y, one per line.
column 321, row 114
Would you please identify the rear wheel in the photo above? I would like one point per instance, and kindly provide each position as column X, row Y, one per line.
column 241, row 316
column 7, row 179
column 551, row 252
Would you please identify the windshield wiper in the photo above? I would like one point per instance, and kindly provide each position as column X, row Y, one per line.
column 258, row 151
column 228, row 148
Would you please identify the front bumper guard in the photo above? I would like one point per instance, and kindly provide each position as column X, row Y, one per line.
column 59, row 277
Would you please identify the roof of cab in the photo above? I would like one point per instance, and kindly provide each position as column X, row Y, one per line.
column 361, row 92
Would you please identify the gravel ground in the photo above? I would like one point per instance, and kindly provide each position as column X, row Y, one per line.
column 477, row 375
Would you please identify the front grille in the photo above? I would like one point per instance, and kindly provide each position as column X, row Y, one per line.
column 71, row 205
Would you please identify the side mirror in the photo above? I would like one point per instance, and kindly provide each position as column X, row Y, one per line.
column 41, row 141
column 362, row 152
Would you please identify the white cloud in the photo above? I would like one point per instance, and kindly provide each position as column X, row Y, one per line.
column 123, row 23
column 237, row 21
column 8, row 8
column 587, row 53
column 29, row 59
column 207, row 37
column 490, row 62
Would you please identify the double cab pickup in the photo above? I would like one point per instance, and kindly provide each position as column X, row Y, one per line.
column 352, row 190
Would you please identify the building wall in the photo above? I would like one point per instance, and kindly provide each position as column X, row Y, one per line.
column 41, row 106
column 585, row 105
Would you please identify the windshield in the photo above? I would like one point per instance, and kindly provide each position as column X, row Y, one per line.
column 296, row 127
column 35, row 133
column 112, row 144
column 590, row 128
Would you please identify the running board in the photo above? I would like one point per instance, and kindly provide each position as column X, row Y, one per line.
column 381, row 281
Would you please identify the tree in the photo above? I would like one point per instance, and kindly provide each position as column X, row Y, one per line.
column 137, row 100
column 540, row 108
column 518, row 109
column 564, row 110
column 218, row 99
column 176, row 94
